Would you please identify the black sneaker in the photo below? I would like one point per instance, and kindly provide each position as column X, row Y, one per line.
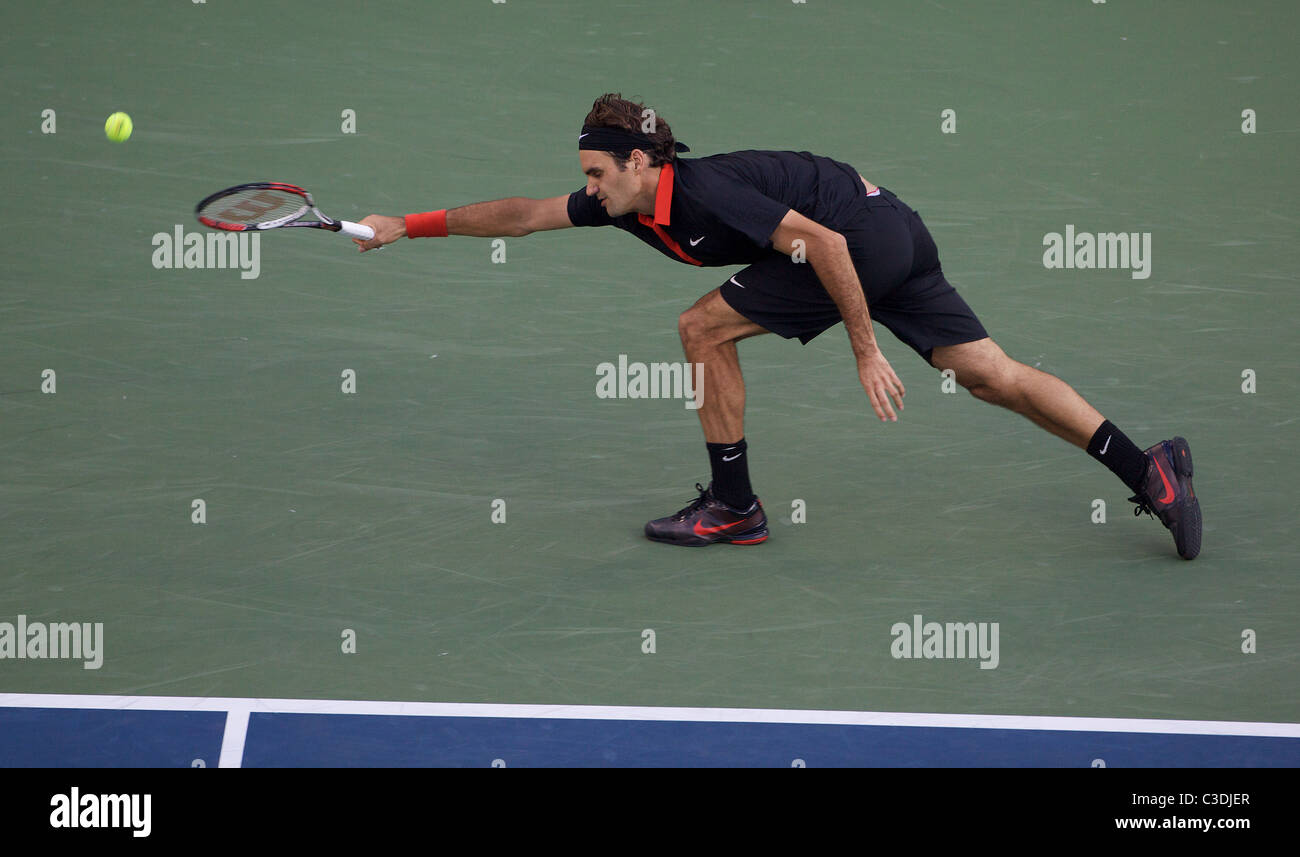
column 1168, row 495
column 708, row 520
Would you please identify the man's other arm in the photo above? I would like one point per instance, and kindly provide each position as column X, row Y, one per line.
column 828, row 252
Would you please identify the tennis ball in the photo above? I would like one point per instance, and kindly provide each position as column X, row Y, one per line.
column 118, row 127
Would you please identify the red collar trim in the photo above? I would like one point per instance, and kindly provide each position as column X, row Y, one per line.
column 663, row 199
column 663, row 207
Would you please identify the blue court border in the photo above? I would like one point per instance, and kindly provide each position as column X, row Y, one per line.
column 49, row 730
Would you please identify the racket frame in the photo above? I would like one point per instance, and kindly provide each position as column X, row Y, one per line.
column 285, row 221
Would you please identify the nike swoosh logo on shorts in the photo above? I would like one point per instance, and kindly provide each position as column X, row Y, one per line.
column 580, row 136
column 1105, row 445
column 733, row 280
column 695, row 241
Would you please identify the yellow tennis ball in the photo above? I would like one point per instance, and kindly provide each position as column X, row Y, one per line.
column 118, row 127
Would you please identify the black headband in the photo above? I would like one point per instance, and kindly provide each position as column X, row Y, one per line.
column 618, row 140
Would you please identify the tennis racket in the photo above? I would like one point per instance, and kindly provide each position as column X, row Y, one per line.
column 259, row 206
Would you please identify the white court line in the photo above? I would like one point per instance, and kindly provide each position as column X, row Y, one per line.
column 603, row 712
column 232, row 741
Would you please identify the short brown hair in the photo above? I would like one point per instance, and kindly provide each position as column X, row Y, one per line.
column 612, row 110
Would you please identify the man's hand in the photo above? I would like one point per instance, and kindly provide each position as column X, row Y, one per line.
column 828, row 251
column 387, row 230
column 881, row 384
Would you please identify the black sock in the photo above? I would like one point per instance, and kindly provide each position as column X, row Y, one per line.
column 731, row 473
column 1112, row 448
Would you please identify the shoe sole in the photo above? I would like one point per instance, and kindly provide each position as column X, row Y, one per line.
column 753, row 537
column 1188, row 538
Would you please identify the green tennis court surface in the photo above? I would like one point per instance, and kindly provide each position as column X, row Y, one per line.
column 333, row 515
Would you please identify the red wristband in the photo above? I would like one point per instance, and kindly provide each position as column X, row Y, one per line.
column 431, row 224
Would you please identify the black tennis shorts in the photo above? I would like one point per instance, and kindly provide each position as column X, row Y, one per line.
column 898, row 265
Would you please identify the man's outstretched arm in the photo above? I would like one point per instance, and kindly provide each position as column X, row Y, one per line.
column 500, row 218
column 828, row 253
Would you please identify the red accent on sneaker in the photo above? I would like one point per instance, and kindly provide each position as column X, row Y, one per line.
column 708, row 531
column 1169, row 489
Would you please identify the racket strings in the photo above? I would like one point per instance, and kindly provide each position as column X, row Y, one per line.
column 252, row 206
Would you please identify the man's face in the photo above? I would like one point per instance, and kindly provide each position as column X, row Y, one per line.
column 618, row 188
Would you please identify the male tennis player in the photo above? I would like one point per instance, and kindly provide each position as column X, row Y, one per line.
column 822, row 245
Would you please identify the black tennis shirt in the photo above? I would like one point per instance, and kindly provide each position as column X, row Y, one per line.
column 723, row 209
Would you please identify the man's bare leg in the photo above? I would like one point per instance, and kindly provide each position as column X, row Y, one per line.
column 1160, row 477
column 991, row 376
column 710, row 330
column 729, row 512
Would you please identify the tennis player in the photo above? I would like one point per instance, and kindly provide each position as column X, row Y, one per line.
column 821, row 245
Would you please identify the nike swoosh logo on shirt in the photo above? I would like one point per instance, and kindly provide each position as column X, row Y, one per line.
column 733, row 280
column 695, row 241
column 733, row 458
column 1105, row 445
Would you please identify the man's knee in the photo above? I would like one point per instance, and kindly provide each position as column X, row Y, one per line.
column 701, row 325
column 693, row 327
column 986, row 371
column 987, row 387
column 711, row 321
column 998, row 383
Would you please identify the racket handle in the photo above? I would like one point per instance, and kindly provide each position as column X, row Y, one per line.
column 356, row 230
